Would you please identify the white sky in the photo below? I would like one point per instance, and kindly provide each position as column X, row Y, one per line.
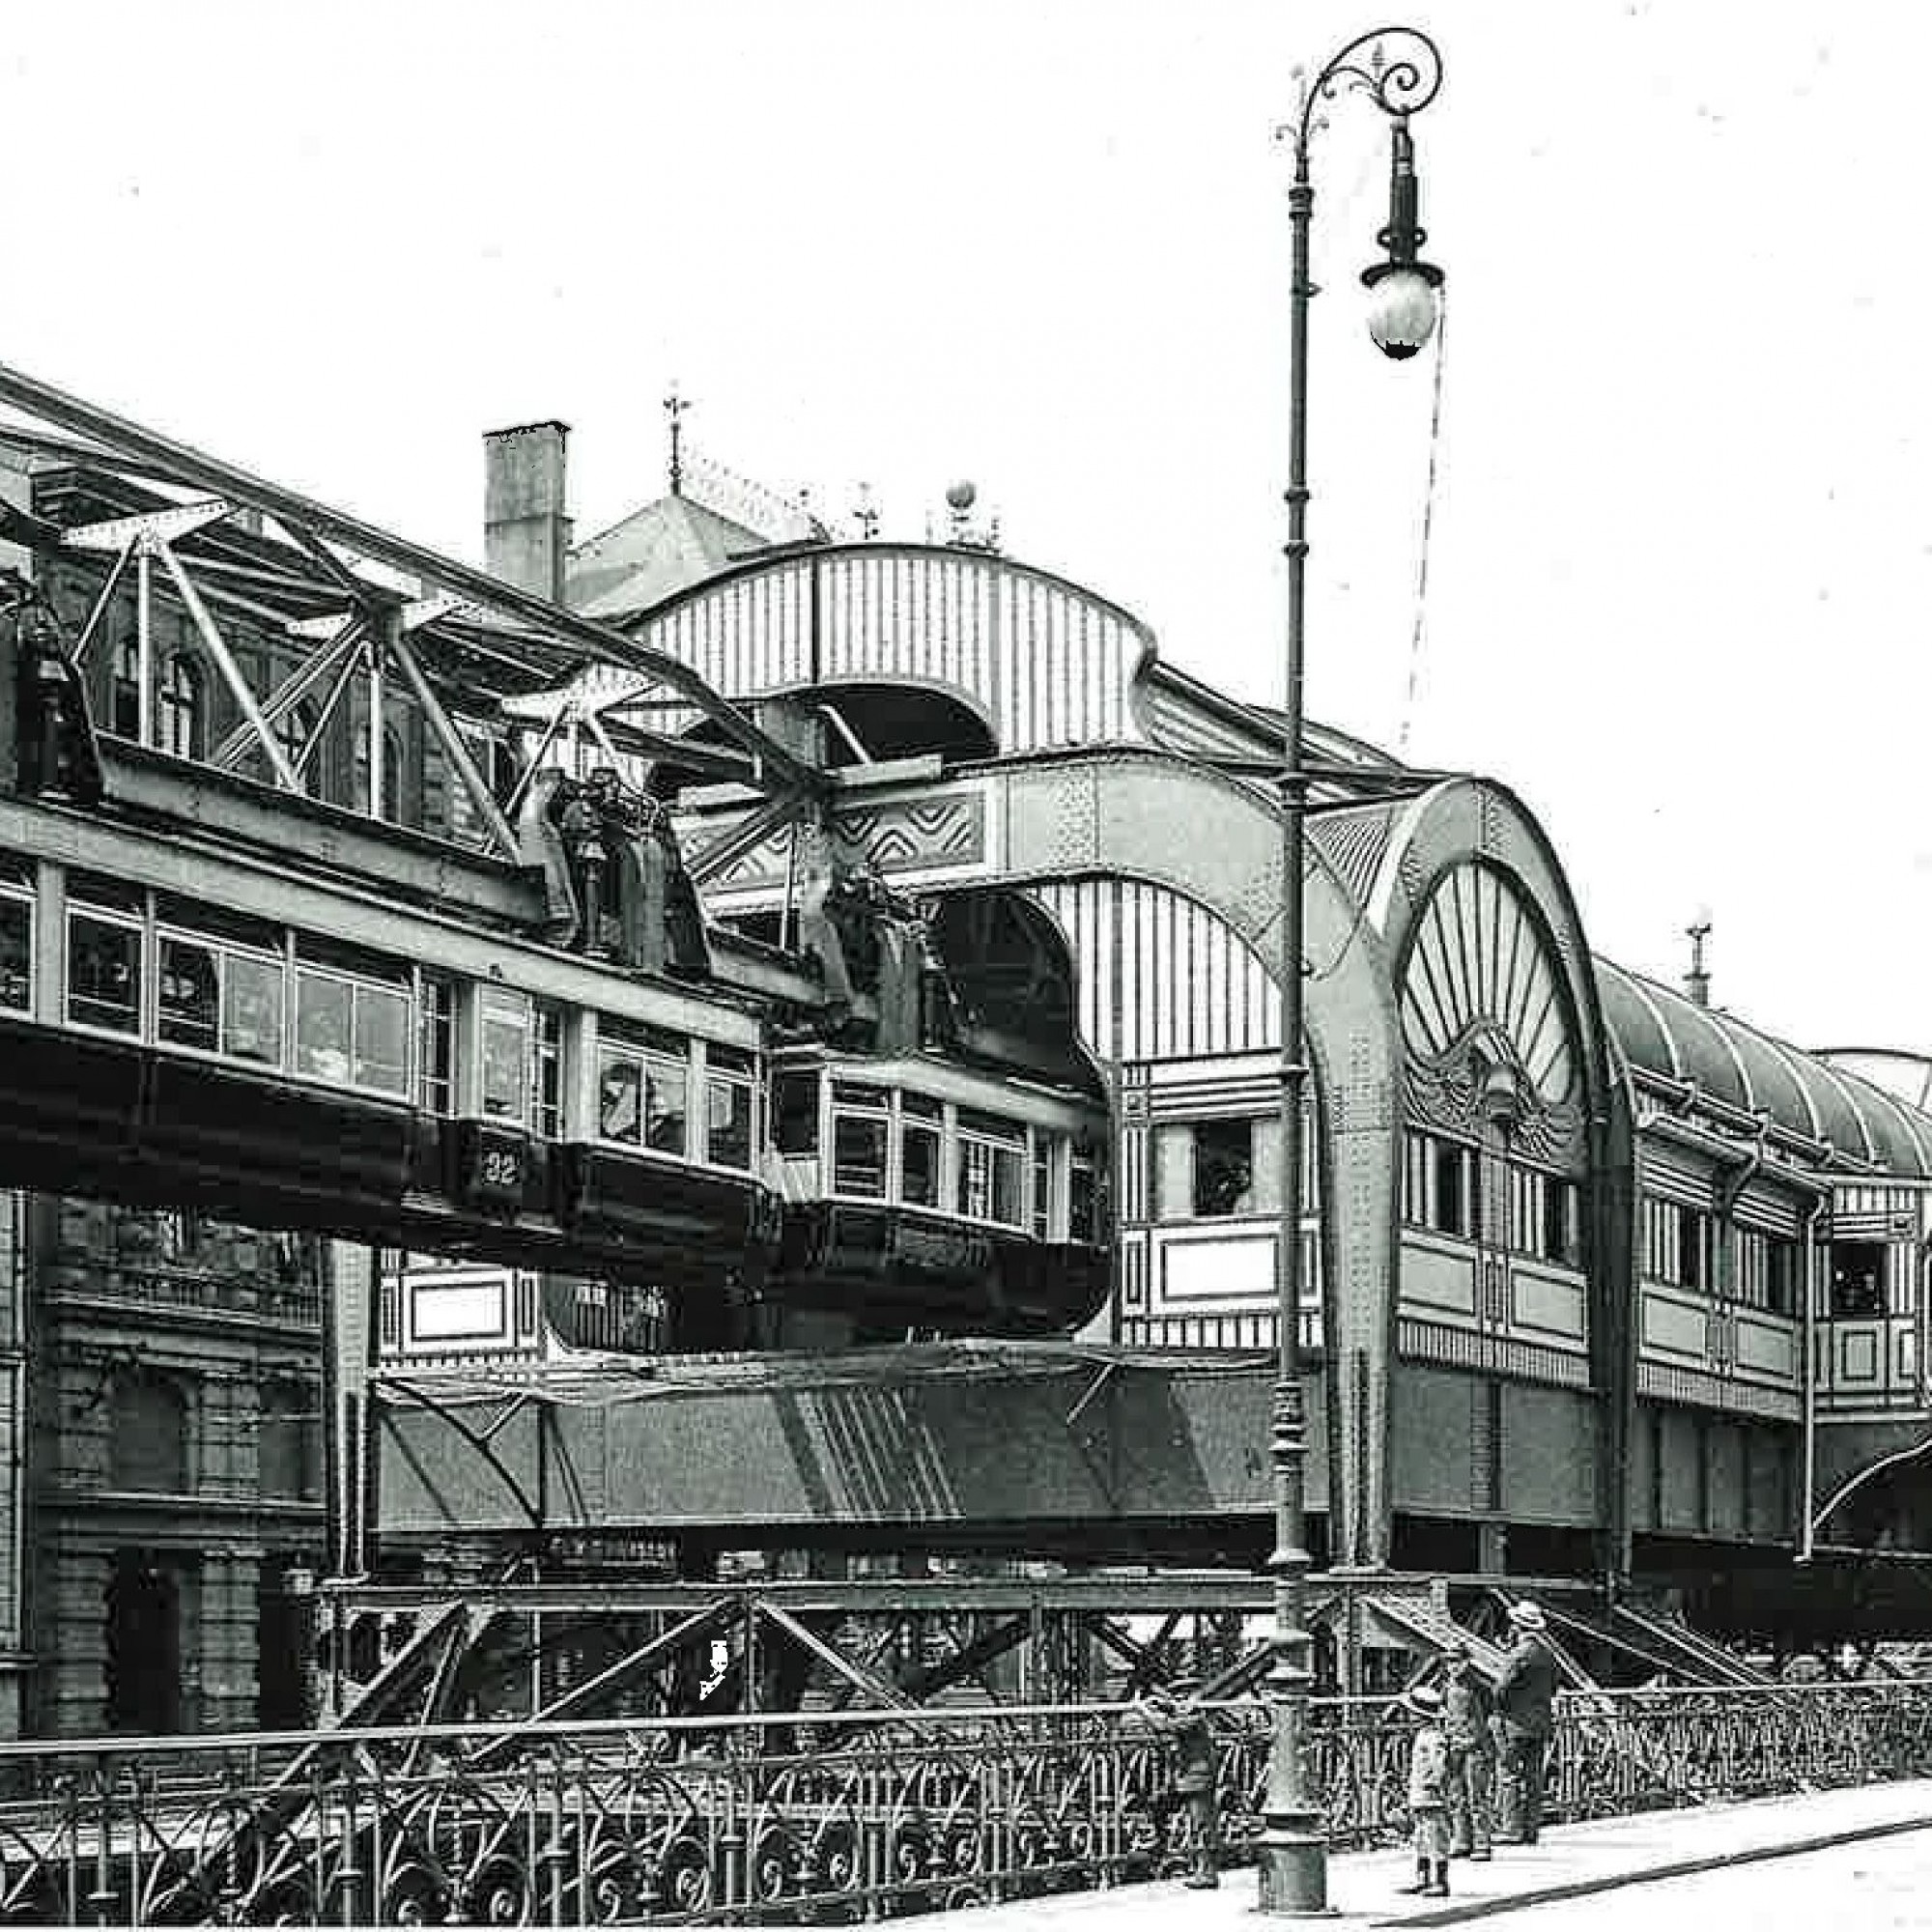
column 1682, row 542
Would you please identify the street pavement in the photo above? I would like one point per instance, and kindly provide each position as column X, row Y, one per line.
column 1568, row 1861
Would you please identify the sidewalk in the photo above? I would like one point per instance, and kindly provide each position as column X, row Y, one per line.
column 1568, row 1861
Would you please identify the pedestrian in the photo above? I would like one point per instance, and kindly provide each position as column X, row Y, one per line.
column 1428, row 1792
column 1177, row 1714
column 1470, row 1771
column 1525, row 1700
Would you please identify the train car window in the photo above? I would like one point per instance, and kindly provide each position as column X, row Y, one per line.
column 325, row 1023
column 1046, row 1147
column 991, row 1171
column 858, row 1155
column 188, row 994
column 504, row 1056
column 381, row 1039
column 795, row 1112
column 16, row 953
column 251, row 1009
column 1083, row 1196
column 667, row 1102
column 436, row 1046
column 620, row 1096
column 727, row 1122
column 918, row 1157
column 104, row 972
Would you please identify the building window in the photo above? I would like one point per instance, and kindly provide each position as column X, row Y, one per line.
column 859, row 1133
column 179, row 706
column 1543, row 1219
column 1676, row 1243
column 293, row 731
column 1212, row 1168
column 1224, row 1166
column 1452, row 1188
column 1439, row 1184
column 1767, row 1271
column 143, row 1644
column 1693, row 1249
column 104, row 972
column 287, row 1463
column 123, row 704
column 147, row 1434
column 1857, row 1278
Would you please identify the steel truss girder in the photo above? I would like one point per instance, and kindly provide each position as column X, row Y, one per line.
column 127, row 444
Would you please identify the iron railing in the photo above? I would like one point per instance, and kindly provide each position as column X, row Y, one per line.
column 826, row 1816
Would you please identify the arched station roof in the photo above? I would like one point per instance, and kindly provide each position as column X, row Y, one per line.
column 1663, row 1032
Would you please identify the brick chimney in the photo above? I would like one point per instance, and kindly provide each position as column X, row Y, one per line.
column 526, row 530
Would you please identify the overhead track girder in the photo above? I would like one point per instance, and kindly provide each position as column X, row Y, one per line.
column 117, row 442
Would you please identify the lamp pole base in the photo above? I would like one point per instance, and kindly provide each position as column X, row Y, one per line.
column 1293, row 1866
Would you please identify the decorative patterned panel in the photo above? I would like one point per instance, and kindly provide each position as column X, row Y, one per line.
column 935, row 836
column 1462, row 1347
column 1483, row 1002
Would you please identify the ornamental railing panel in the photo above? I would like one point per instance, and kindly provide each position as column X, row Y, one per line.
column 815, row 1816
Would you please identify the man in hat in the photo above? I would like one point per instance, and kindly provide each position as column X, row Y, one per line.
column 1525, row 1701
column 1428, row 1792
column 1470, row 1772
column 1175, row 1712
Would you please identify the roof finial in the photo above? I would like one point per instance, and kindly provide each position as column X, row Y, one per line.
column 867, row 515
column 675, row 408
column 1698, row 982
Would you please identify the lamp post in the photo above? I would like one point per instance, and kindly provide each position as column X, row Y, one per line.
column 1400, row 70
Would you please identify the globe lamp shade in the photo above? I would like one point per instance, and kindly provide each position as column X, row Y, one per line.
column 1403, row 307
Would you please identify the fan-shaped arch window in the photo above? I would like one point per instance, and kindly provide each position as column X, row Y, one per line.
column 180, row 706
column 1481, row 986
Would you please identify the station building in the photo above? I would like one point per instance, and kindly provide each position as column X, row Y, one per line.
column 960, row 1237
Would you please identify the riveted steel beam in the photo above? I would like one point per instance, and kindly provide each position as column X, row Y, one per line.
column 316, row 526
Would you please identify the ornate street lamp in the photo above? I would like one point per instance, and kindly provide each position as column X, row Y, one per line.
column 1400, row 70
